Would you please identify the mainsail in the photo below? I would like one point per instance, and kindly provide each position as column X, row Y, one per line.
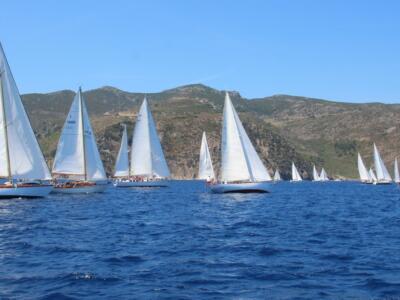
column 295, row 174
column 240, row 161
column 396, row 171
column 122, row 162
column 277, row 176
column 323, row 176
column 20, row 154
column 206, row 170
column 147, row 157
column 382, row 173
column 362, row 170
column 315, row 174
column 372, row 175
column 77, row 154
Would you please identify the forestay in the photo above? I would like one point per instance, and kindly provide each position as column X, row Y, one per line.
column 25, row 159
column 206, row 170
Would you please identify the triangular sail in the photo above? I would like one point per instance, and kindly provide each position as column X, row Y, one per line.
column 362, row 170
column 122, row 162
column 396, row 171
column 206, row 170
column 372, row 175
column 315, row 174
column 147, row 157
column 24, row 159
column 323, row 176
column 240, row 161
column 277, row 176
column 382, row 173
column 295, row 174
column 77, row 154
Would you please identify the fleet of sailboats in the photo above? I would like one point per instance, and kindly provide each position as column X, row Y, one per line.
column 77, row 166
column 241, row 168
column 148, row 167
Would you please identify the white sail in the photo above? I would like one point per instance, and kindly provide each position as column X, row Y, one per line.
column 323, row 176
column 382, row 173
column 372, row 175
column 315, row 174
column 295, row 174
column 206, row 170
column 122, row 162
column 240, row 161
column 77, row 152
column 147, row 157
column 277, row 176
column 20, row 154
column 396, row 171
column 362, row 170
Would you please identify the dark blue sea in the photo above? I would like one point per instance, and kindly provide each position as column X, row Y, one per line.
column 337, row 240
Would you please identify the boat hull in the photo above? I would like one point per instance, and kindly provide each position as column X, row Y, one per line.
column 25, row 192
column 128, row 184
column 97, row 188
column 248, row 187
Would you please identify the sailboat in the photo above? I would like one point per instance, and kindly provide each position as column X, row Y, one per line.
column 396, row 171
column 323, row 176
column 148, row 165
column 365, row 176
column 315, row 174
column 206, row 170
column 242, row 170
column 122, row 162
column 277, row 175
column 23, row 169
column 295, row 174
column 372, row 176
column 382, row 174
column 77, row 166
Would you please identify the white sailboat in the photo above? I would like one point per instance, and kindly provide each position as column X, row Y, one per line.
column 122, row 162
column 396, row 171
column 382, row 174
column 295, row 174
column 77, row 166
column 315, row 174
column 206, row 170
column 242, row 170
column 323, row 176
column 371, row 173
column 23, row 169
column 277, row 175
column 148, row 165
column 365, row 176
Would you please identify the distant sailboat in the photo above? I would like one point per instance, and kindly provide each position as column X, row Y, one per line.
column 365, row 176
column 122, row 162
column 382, row 174
column 77, row 166
column 22, row 164
column 206, row 170
column 315, row 174
column 277, row 176
column 372, row 176
column 148, row 165
column 323, row 176
column 396, row 171
column 241, row 168
column 295, row 174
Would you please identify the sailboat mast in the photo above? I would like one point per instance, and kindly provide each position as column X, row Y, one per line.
column 83, row 133
column 5, row 127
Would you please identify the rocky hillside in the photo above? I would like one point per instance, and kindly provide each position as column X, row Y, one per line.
column 283, row 128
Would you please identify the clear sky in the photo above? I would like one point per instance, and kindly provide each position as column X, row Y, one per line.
column 338, row 50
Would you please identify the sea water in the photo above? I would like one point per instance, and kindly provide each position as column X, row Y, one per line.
column 304, row 240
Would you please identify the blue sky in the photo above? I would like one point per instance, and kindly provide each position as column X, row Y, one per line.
column 338, row 50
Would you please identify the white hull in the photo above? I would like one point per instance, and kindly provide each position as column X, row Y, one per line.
column 26, row 192
column 382, row 182
column 249, row 187
column 98, row 188
column 128, row 184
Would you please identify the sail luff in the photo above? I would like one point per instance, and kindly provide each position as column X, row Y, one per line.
column 315, row 174
column 122, row 161
column 396, row 171
column 4, row 127
column 206, row 170
column 295, row 174
column 362, row 170
column 382, row 173
column 82, row 130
